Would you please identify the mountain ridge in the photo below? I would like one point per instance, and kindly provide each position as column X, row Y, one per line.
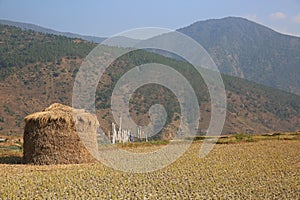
column 48, row 77
column 41, row 29
column 249, row 50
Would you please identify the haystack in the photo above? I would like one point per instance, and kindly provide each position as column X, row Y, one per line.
column 60, row 135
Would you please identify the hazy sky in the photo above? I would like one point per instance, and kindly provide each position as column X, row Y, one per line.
column 108, row 17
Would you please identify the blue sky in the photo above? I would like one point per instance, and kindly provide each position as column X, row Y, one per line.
column 108, row 17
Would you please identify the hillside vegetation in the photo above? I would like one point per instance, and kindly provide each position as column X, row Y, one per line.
column 21, row 48
column 249, row 50
column 39, row 69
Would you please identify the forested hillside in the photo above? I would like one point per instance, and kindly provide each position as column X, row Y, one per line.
column 39, row 69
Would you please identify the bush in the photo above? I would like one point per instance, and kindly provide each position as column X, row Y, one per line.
column 244, row 137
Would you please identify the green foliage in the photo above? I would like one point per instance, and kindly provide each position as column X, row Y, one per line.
column 197, row 138
column 18, row 148
column 19, row 48
column 253, row 98
column 148, row 95
column 244, row 137
column 282, row 104
column 30, row 51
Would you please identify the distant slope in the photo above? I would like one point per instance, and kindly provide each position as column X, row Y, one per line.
column 238, row 46
column 40, row 73
column 28, row 26
column 17, row 49
column 248, row 50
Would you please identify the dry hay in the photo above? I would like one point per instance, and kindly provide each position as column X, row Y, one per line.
column 60, row 135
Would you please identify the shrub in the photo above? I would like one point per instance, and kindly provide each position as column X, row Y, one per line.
column 244, row 137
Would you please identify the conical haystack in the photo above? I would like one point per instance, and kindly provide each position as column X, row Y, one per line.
column 60, row 135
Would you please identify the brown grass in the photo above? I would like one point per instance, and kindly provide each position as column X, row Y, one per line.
column 255, row 170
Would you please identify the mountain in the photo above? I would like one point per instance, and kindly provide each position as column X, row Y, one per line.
column 39, row 69
column 121, row 41
column 251, row 51
column 239, row 47
column 28, row 26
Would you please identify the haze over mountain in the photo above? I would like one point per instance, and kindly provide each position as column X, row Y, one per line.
column 249, row 50
column 238, row 46
column 39, row 69
column 33, row 27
